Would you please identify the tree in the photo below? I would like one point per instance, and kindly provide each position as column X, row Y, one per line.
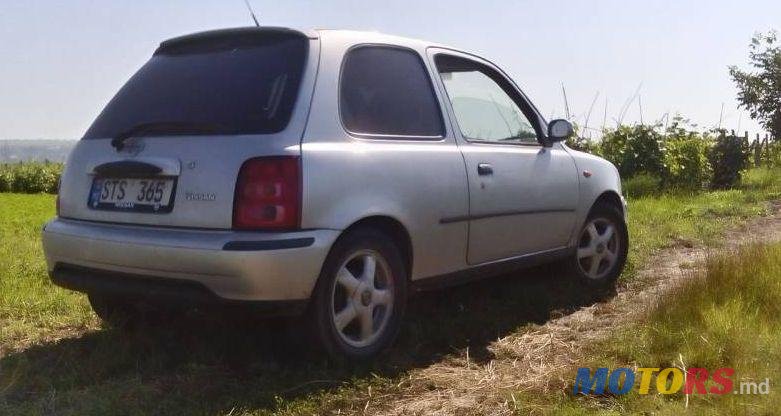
column 760, row 92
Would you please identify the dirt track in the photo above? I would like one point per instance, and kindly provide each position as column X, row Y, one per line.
column 535, row 359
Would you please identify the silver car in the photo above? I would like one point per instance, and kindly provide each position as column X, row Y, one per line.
column 325, row 173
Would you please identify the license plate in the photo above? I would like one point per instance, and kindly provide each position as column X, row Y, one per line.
column 133, row 194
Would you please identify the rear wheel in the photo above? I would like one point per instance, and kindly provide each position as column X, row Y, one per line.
column 602, row 248
column 360, row 297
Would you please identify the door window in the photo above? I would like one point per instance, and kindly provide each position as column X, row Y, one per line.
column 386, row 91
column 483, row 104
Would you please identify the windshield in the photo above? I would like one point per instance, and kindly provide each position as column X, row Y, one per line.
column 235, row 85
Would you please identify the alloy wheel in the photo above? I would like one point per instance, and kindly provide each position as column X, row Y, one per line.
column 598, row 248
column 362, row 298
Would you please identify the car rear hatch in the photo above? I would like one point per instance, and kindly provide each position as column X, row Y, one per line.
column 168, row 148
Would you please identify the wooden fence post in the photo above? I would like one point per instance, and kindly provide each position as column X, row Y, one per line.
column 757, row 151
column 768, row 156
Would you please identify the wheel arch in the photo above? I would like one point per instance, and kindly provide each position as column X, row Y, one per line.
column 394, row 229
column 610, row 198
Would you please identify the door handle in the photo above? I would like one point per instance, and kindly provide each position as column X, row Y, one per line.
column 485, row 169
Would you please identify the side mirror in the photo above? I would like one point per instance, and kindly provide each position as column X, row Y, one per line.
column 559, row 130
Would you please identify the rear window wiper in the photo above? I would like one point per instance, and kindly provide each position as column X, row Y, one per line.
column 167, row 127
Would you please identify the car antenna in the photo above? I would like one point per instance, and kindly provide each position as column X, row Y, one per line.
column 252, row 13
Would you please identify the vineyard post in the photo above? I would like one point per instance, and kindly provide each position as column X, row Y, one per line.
column 757, row 147
column 767, row 149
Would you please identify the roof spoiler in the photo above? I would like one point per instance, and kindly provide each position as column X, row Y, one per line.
column 234, row 33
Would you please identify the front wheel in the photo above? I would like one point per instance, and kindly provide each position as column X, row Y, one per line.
column 360, row 297
column 602, row 248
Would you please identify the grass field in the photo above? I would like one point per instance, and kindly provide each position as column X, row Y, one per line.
column 56, row 359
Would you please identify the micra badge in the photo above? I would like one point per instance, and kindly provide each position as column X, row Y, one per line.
column 200, row 196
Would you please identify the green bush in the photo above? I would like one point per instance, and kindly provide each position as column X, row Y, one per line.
column 582, row 144
column 30, row 177
column 686, row 162
column 634, row 149
column 679, row 157
column 641, row 185
column 6, row 179
column 770, row 155
column 729, row 156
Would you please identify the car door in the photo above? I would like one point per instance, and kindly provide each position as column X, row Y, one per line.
column 522, row 194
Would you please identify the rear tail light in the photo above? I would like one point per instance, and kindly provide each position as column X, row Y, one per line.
column 268, row 194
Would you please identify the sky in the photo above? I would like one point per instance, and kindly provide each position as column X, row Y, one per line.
column 61, row 62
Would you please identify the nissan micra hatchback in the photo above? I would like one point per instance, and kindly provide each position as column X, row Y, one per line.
column 326, row 173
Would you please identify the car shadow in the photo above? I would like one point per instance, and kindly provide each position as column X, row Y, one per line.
column 214, row 363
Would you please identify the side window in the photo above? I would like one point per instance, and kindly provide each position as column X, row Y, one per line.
column 387, row 91
column 484, row 109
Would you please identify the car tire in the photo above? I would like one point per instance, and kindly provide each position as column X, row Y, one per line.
column 601, row 249
column 360, row 296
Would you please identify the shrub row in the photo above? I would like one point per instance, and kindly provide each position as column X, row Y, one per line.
column 649, row 158
column 30, row 177
column 677, row 157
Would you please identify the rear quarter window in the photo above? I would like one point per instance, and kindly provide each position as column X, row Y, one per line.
column 386, row 91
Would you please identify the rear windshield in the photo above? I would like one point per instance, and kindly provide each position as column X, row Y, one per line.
column 218, row 85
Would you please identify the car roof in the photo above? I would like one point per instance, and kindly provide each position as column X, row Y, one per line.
column 366, row 36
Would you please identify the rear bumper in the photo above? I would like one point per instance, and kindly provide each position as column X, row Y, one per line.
column 222, row 266
column 165, row 290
